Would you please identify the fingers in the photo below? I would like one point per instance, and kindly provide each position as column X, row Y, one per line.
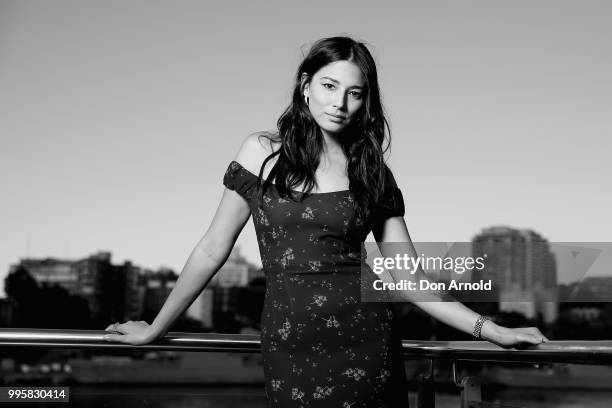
column 112, row 327
column 118, row 327
column 128, row 332
column 539, row 333
column 533, row 331
column 529, row 338
column 124, row 338
column 536, row 332
column 114, row 337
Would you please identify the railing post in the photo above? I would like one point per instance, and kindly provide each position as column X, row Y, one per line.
column 471, row 392
column 471, row 396
column 426, row 393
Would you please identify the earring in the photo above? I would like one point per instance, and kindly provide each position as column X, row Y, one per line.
column 307, row 99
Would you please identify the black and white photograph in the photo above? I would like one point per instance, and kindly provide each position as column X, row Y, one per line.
column 292, row 204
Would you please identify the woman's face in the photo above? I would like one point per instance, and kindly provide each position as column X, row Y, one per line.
column 335, row 93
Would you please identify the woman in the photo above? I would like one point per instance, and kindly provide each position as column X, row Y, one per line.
column 316, row 188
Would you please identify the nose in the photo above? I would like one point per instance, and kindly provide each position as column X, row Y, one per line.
column 340, row 101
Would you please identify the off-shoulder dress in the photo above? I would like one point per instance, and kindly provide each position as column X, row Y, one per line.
column 321, row 346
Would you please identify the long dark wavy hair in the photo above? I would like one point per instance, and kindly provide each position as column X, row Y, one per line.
column 301, row 139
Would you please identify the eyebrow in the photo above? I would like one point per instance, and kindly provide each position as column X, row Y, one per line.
column 336, row 82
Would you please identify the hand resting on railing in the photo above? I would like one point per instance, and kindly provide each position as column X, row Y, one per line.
column 511, row 337
column 131, row 332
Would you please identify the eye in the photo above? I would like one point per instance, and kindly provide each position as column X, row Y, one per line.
column 356, row 95
column 328, row 85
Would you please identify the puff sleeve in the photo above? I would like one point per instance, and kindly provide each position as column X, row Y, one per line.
column 392, row 201
column 240, row 180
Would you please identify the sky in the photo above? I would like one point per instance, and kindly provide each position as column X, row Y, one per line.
column 118, row 119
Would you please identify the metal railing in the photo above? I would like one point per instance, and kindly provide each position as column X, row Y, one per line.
column 569, row 351
column 574, row 352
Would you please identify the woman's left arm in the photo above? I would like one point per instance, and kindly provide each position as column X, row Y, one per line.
column 452, row 313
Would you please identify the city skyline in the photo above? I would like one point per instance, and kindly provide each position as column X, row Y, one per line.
column 574, row 261
column 118, row 120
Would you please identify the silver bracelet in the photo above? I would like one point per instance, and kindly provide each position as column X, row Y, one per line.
column 478, row 326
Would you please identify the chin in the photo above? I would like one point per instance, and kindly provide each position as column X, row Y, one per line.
column 334, row 130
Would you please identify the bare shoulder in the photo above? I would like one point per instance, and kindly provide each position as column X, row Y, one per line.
column 254, row 150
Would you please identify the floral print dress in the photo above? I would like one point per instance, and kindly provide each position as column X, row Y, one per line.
column 321, row 346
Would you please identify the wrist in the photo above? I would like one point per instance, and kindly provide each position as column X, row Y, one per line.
column 156, row 333
column 490, row 331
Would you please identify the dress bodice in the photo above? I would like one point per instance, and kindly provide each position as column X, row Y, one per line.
column 313, row 233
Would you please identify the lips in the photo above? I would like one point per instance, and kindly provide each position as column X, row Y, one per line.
column 337, row 117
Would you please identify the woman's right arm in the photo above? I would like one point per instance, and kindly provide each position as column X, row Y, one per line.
column 205, row 260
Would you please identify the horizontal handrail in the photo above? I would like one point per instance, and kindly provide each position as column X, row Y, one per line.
column 597, row 352
column 568, row 351
column 241, row 343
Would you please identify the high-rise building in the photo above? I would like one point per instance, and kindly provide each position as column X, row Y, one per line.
column 595, row 289
column 101, row 285
column 522, row 269
column 7, row 312
column 225, row 305
column 202, row 308
column 236, row 271
column 158, row 286
column 113, row 292
column 135, row 290
column 255, row 273
column 128, row 292
column 51, row 271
